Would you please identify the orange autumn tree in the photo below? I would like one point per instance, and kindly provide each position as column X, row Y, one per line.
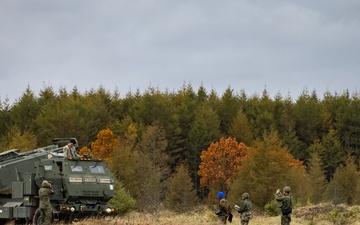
column 220, row 164
column 84, row 150
column 105, row 144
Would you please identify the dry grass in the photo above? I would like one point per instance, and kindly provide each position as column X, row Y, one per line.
column 168, row 218
column 301, row 216
column 179, row 219
column 313, row 215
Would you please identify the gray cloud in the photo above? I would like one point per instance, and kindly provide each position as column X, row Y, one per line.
column 283, row 46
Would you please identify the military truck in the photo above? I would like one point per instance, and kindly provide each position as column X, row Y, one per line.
column 82, row 186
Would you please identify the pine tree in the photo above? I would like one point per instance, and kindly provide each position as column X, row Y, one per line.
column 181, row 195
column 25, row 111
column 343, row 187
column 228, row 107
column 153, row 144
column 204, row 130
column 123, row 162
column 241, row 129
column 24, row 141
column 5, row 123
column 317, row 178
column 333, row 155
column 267, row 167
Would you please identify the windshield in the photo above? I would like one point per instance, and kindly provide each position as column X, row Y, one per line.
column 97, row 169
column 48, row 167
column 77, row 169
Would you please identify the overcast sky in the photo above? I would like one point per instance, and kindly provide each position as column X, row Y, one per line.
column 282, row 46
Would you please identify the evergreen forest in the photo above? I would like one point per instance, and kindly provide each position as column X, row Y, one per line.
column 178, row 149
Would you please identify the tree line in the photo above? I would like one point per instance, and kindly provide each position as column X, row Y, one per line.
column 309, row 142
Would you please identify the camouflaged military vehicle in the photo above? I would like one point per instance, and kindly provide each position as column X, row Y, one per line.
column 82, row 187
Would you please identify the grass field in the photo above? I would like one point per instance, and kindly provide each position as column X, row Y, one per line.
column 168, row 218
column 315, row 215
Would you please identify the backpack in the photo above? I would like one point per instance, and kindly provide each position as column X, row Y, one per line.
column 246, row 216
column 288, row 210
column 225, row 205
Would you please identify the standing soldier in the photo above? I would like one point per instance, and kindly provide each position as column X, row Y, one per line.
column 45, row 208
column 286, row 204
column 224, row 210
column 70, row 151
column 245, row 209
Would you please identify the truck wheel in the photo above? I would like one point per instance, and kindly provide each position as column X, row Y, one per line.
column 37, row 219
column 69, row 219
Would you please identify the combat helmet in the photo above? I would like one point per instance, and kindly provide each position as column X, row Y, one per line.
column 287, row 189
column 220, row 194
column 45, row 184
column 245, row 195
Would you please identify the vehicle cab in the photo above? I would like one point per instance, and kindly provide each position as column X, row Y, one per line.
column 81, row 186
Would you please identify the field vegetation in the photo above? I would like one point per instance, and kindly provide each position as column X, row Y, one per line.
column 322, row 214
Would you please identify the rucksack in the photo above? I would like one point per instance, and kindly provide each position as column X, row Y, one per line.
column 288, row 210
column 246, row 216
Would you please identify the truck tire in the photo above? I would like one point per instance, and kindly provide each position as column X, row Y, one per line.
column 37, row 218
column 68, row 219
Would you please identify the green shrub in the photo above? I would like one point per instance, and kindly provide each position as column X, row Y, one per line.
column 272, row 208
column 122, row 200
column 341, row 217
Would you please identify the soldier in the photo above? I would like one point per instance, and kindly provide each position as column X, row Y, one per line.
column 45, row 208
column 245, row 209
column 286, row 204
column 224, row 209
column 70, row 151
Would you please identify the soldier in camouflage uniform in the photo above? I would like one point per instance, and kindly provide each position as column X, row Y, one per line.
column 286, row 204
column 224, row 210
column 245, row 209
column 45, row 208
